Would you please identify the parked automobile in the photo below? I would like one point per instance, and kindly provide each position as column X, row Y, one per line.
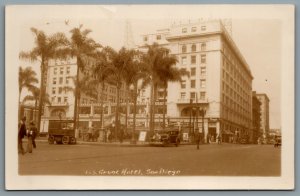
column 165, row 137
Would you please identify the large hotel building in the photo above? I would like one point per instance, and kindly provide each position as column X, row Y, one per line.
column 220, row 81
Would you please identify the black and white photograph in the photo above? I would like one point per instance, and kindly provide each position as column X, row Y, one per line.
column 112, row 97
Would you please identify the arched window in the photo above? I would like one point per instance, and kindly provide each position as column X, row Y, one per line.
column 183, row 49
column 203, row 46
column 194, row 48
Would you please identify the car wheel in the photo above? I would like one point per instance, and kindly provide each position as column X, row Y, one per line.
column 65, row 139
column 165, row 143
column 51, row 140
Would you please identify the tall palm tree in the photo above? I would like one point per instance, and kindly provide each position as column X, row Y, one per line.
column 133, row 73
column 169, row 73
column 81, row 47
column 154, row 60
column 119, row 61
column 46, row 48
column 82, row 86
column 35, row 91
column 27, row 79
column 100, row 73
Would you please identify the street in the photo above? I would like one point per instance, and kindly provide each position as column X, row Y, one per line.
column 185, row 160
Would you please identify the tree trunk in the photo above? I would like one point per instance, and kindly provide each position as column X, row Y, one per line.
column 76, row 97
column 42, row 92
column 164, row 106
column 151, row 107
column 19, row 111
column 117, row 120
column 134, row 112
column 126, row 109
column 78, row 109
column 101, row 105
column 35, row 109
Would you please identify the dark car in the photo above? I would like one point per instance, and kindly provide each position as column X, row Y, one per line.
column 165, row 137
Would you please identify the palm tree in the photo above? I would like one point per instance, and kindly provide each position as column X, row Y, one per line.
column 46, row 48
column 82, row 86
column 133, row 73
column 27, row 79
column 82, row 48
column 169, row 73
column 154, row 60
column 119, row 61
column 101, row 75
column 35, row 91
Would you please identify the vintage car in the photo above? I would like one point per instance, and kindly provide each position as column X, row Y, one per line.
column 165, row 137
column 277, row 142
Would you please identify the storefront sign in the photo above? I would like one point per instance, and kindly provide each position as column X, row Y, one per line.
column 142, row 136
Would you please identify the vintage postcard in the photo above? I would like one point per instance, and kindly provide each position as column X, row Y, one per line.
column 150, row 97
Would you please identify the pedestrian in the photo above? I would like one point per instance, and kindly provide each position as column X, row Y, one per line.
column 197, row 139
column 33, row 128
column 21, row 134
column 219, row 139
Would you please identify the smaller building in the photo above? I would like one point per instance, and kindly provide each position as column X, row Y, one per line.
column 264, row 114
column 30, row 112
column 255, row 118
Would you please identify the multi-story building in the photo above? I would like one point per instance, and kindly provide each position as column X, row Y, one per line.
column 61, row 74
column 255, row 118
column 220, row 81
column 264, row 114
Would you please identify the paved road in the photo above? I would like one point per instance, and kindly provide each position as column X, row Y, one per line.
column 185, row 160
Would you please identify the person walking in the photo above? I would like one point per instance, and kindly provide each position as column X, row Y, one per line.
column 197, row 139
column 21, row 134
column 33, row 128
column 219, row 139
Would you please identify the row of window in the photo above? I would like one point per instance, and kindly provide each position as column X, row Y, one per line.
column 193, row 59
column 61, row 70
column 193, row 29
column 59, row 99
column 193, row 83
column 60, row 80
column 202, row 71
column 193, row 48
column 192, row 95
column 59, row 90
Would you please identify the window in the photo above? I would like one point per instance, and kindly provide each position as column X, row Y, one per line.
column 184, row 30
column 193, row 59
column 68, row 70
column 183, row 84
column 183, row 60
column 54, row 81
column 67, row 80
column 202, row 83
column 60, row 90
column 145, row 38
column 61, row 70
column 55, row 71
column 193, row 71
column 202, row 95
column 53, row 99
column 53, row 90
column 203, row 46
column 193, row 83
column 203, row 28
column 59, row 99
column 193, row 95
column 183, row 48
column 203, row 58
column 60, row 80
column 65, row 99
column 194, row 29
column 158, row 37
column 202, row 71
column 194, row 48
column 182, row 95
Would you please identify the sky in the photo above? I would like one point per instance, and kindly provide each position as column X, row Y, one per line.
column 259, row 39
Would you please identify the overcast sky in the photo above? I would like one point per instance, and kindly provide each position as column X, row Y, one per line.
column 259, row 39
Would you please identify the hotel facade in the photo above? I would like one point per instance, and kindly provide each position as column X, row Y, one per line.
column 220, row 81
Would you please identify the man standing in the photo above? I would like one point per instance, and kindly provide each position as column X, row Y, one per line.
column 34, row 133
column 197, row 138
column 21, row 134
